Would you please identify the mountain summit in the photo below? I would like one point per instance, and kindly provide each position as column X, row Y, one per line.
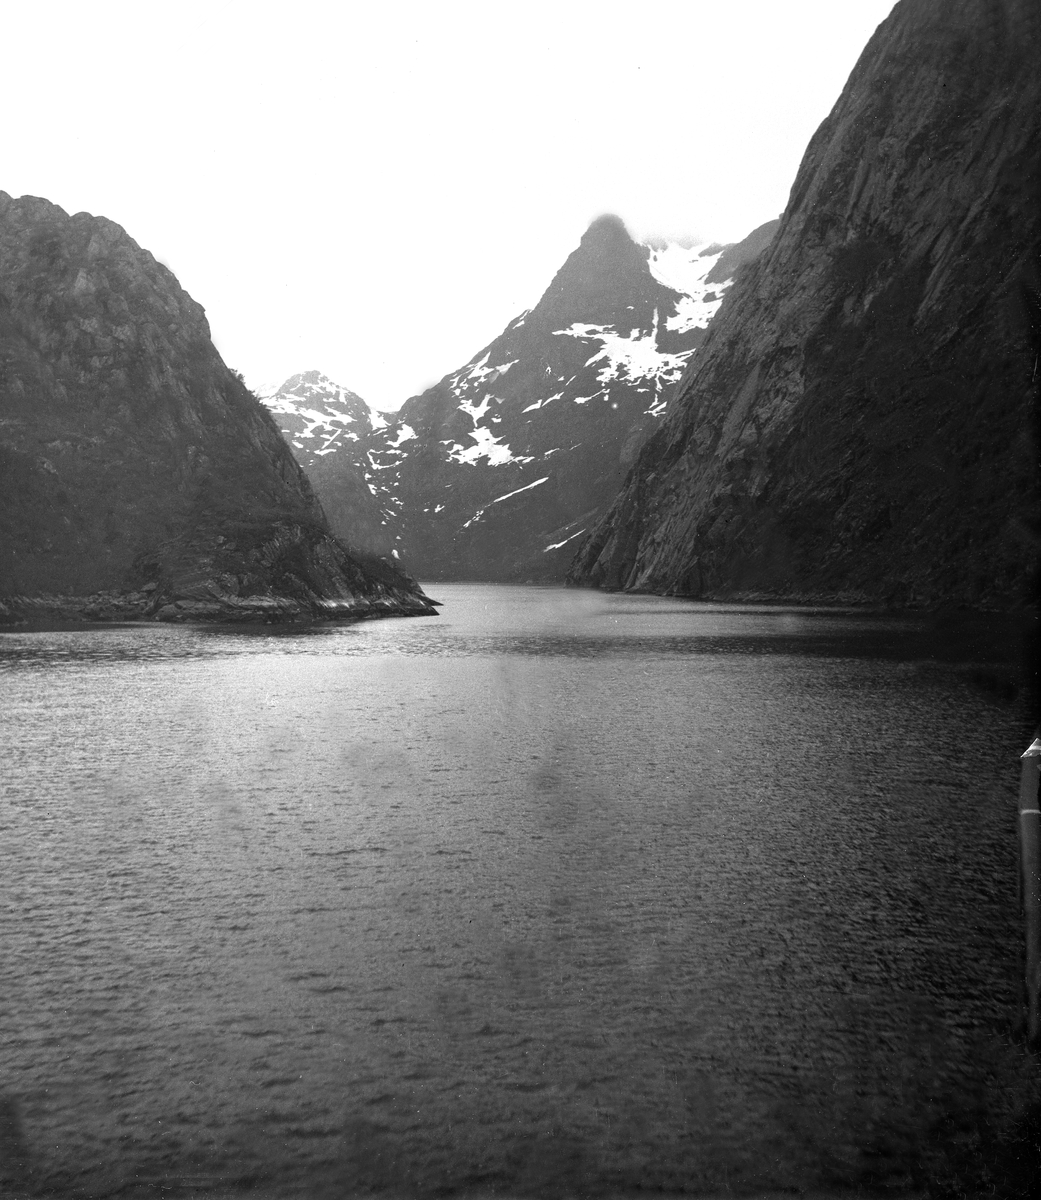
column 602, row 278
column 319, row 417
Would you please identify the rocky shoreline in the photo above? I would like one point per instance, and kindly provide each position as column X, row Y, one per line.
column 217, row 607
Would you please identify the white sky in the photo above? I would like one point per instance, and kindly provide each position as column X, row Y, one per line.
column 375, row 189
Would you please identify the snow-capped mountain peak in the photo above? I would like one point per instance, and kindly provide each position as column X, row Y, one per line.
column 319, row 416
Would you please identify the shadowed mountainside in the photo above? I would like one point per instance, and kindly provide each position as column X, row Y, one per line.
column 859, row 422
column 138, row 476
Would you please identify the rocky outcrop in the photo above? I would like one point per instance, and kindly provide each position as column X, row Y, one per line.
column 496, row 471
column 138, row 476
column 859, row 424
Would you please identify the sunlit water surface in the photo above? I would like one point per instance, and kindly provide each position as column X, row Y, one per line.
column 556, row 890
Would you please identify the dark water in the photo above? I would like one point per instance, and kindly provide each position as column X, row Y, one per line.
column 556, row 892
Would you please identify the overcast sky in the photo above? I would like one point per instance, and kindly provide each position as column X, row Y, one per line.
column 375, row 189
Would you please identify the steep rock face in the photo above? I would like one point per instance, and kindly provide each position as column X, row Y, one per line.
column 138, row 476
column 858, row 423
column 495, row 471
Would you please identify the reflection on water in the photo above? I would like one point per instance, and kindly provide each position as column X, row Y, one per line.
column 554, row 890
column 533, row 620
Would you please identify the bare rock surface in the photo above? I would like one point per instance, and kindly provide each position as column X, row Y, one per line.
column 139, row 478
column 858, row 423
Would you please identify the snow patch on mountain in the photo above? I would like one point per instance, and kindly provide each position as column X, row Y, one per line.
column 498, row 500
column 517, row 491
column 684, row 269
column 476, row 411
column 542, row 403
column 628, row 358
column 405, row 434
column 478, row 372
column 318, row 415
column 327, row 426
column 570, row 538
column 486, row 445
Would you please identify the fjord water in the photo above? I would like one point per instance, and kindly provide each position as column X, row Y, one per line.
column 556, row 891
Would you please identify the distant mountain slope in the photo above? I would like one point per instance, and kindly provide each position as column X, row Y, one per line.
column 336, row 437
column 859, row 422
column 512, row 457
column 495, row 471
column 138, row 476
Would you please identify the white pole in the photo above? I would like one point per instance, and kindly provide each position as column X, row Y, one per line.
column 1030, row 860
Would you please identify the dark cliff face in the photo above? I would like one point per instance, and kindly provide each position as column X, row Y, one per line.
column 132, row 461
column 498, row 469
column 859, row 421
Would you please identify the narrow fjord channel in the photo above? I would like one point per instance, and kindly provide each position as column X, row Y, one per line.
column 559, row 891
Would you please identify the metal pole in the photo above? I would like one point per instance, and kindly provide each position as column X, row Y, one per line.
column 1030, row 860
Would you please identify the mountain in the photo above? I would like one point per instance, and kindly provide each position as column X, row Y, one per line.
column 494, row 472
column 138, row 476
column 339, row 440
column 859, row 421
